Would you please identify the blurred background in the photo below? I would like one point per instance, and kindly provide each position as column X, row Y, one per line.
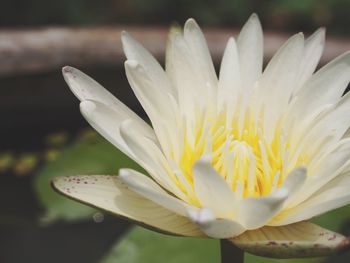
column 43, row 134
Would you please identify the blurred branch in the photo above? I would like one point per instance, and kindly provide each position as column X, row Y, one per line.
column 40, row 50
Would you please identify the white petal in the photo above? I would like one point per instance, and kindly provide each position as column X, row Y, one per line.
column 294, row 181
column 279, row 78
column 85, row 88
column 184, row 77
column 213, row 227
column 298, row 240
column 327, row 169
column 200, row 55
column 135, row 51
column 146, row 187
column 333, row 195
column 250, row 49
column 328, row 130
column 150, row 157
column 154, row 100
column 110, row 194
column 229, row 78
column 212, row 190
column 326, row 86
column 313, row 50
column 255, row 212
column 107, row 121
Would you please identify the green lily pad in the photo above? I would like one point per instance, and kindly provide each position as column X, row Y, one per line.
column 95, row 156
column 146, row 246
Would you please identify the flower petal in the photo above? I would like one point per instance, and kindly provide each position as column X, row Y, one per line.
column 279, row 78
column 332, row 196
column 212, row 190
column 146, row 187
column 213, row 227
column 313, row 50
column 135, row 51
column 298, row 240
column 250, row 49
column 294, row 181
column 326, row 86
column 325, row 170
column 150, row 157
column 201, row 56
column 107, row 122
column 255, row 212
column 85, row 88
column 110, row 194
column 154, row 100
column 229, row 78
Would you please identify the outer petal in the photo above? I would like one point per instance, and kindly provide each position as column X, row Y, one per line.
column 331, row 165
column 146, row 187
column 332, row 196
column 313, row 50
column 212, row 190
column 298, row 240
column 215, row 227
column 155, row 101
column 255, row 212
column 229, row 79
column 149, row 156
column 110, row 194
column 107, row 122
column 250, row 50
column 279, row 78
column 294, row 181
column 135, row 51
column 200, row 55
column 326, row 86
column 85, row 88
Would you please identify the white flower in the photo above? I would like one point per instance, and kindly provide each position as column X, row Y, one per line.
column 242, row 154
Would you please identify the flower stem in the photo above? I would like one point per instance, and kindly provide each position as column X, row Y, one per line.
column 230, row 253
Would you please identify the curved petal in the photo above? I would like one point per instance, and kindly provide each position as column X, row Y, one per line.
column 294, row 181
column 255, row 212
column 326, row 86
column 155, row 101
column 212, row 190
column 250, row 50
column 85, row 88
column 279, row 78
column 107, row 122
column 215, row 227
column 229, row 78
column 327, row 168
column 331, row 196
column 110, row 194
column 201, row 56
column 298, row 240
column 135, row 51
column 146, row 187
column 151, row 158
column 313, row 50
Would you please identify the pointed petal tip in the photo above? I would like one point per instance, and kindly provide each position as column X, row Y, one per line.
column 201, row 216
column 254, row 18
column 124, row 34
column 87, row 106
column 67, row 69
column 124, row 173
column 190, row 23
column 131, row 63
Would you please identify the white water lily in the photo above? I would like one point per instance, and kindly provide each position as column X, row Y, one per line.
column 246, row 156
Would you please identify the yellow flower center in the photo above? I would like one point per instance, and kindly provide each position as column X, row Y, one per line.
column 240, row 153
